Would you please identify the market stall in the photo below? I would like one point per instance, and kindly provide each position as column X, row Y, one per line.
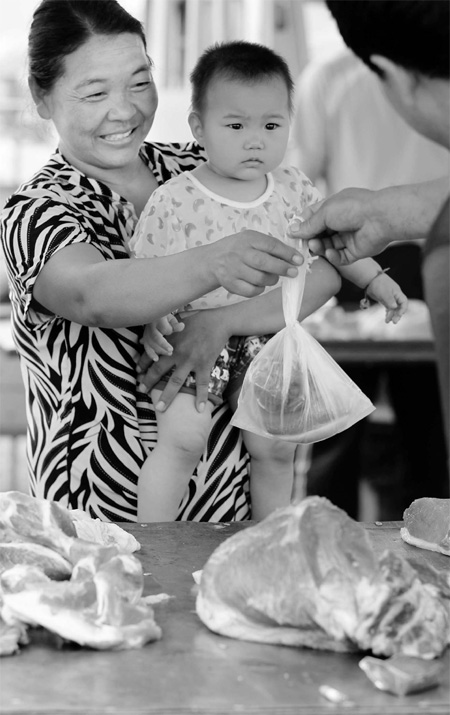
column 192, row 670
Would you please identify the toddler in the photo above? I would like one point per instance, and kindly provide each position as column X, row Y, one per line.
column 241, row 111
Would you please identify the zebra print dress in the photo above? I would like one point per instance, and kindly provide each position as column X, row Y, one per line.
column 89, row 428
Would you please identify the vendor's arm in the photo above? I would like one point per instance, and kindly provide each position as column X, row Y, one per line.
column 356, row 223
column 207, row 331
column 78, row 284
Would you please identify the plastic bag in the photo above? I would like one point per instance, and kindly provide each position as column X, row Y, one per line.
column 293, row 389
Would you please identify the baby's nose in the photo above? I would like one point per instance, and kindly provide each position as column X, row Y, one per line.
column 255, row 142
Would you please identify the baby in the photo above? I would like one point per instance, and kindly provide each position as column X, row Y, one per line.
column 241, row 112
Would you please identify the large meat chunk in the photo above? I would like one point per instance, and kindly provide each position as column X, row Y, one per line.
column 86, row 592
column 50, row 562
column 308, row 576
column 427, row 524
column 101, row 605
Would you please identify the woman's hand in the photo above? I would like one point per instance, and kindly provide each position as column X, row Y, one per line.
column 195, row 349
column 246, row 262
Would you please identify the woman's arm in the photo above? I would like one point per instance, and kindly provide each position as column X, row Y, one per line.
column 78, row 284
column 207, row 331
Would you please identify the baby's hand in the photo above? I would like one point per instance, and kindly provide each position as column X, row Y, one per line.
column 387, row 292
column 153, row 339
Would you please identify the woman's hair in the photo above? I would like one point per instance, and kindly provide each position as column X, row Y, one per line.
column 238, row 60
column 411, row 33
column 59, row 27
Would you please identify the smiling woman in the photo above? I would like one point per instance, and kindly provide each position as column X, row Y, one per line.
column 79, row 301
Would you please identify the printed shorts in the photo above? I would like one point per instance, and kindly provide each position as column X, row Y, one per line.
column 229, row 370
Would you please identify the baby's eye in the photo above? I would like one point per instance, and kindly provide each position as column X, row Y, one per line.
column 271, row 125
column 235, row 126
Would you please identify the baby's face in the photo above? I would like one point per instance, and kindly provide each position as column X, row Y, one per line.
column 245, row 127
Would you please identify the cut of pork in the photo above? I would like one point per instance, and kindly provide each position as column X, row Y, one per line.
column 308, row 576
column 427, row 524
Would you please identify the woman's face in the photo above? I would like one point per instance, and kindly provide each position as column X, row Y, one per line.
column 104, row 104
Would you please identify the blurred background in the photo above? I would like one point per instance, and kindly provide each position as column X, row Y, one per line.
column 305, row 34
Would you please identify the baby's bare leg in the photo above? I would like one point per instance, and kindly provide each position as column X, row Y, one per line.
column 271, row 473
column 271, row 469
column 182, row 435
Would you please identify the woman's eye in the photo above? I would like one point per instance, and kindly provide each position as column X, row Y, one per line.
column 96, row 95
column 142, row 85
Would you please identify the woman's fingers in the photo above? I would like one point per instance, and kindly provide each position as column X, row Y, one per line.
column 170, row 391
column 247, row 262
column 152, row 374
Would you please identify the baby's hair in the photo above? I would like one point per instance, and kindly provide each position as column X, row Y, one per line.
column 240, row 61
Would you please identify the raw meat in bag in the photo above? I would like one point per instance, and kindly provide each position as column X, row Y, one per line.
column 293, row 389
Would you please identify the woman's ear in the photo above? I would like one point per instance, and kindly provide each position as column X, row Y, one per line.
column 397, row 80
column 195, row 124
column 40, row 98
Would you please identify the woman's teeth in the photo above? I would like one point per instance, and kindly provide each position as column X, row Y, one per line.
column 117, row 137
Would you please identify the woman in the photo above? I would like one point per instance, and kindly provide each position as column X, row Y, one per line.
column 78, row 300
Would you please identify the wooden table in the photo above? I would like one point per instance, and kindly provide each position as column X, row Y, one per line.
column 192, row 670
column 381, row 351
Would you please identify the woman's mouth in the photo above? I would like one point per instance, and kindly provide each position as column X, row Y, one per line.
column 117, row 137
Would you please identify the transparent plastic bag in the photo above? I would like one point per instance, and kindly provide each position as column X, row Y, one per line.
column 293, row 389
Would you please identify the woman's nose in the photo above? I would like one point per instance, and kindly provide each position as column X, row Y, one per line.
column 121, row 107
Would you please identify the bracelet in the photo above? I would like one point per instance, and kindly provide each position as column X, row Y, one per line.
column 365, row 302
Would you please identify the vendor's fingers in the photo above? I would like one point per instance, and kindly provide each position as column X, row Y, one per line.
column 335, row 256
column 313, row 223
column 402, row 304
column 294, row 226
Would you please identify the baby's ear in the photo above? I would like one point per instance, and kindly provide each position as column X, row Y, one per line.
column 195, row 124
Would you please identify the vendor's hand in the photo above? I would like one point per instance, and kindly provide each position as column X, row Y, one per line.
column 195, row 349
column 154, row 341
column 350, row 225
column 245, row 263
column 387, row 292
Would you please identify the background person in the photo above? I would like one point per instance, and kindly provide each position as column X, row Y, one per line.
column 79, row 302
column 406, row 42
column 346, row 134
column 241, row 111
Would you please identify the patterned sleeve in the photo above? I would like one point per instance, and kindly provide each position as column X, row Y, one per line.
column 33, row 229
column 158, row 231
column 309, row 194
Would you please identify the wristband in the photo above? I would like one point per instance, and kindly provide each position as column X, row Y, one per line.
column 365, row 302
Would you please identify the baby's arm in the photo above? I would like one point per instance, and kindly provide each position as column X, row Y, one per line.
column 368, row 275
column 264, row 314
